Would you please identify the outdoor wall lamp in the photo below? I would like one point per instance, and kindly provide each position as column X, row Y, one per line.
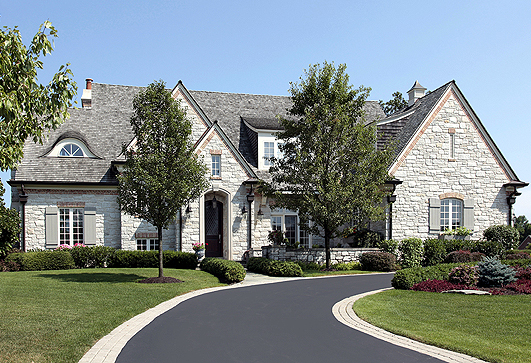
column 188, row 209
column 244, row 210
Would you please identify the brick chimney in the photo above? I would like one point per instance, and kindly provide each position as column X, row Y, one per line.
column 86, row 98
column 416, row 92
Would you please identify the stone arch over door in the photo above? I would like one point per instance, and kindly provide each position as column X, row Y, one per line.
column 216, row 221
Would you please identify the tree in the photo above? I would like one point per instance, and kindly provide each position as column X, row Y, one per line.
column 522, row 225
column 161, row 171
column 394, row 105
column 9, row 226
column 330, row 169
column 27, row 108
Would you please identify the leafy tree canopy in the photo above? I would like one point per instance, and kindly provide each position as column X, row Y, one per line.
column 522, row 225
column 331, row 171
column 28, row 108
column 9, row 226
column 161, row 171
column 393, row 105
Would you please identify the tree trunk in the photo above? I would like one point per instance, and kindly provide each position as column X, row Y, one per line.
column 327, row 247
column 161, row 258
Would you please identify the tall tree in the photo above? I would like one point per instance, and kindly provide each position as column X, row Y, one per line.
column 330, row 169
column 522, row 225
column 393, row 105
column 161, row 171
column 27, row 108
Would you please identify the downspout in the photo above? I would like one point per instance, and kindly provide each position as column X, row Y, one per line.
column 23, row 200
column 250, row 199
column 180, row 248
column 511, row 199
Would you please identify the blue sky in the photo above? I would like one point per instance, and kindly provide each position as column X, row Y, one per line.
column 260, row 47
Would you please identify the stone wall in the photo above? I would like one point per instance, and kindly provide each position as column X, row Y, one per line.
column 429, row 171
column 317, row 255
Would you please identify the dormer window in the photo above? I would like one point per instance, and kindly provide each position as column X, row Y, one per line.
column 71, row 150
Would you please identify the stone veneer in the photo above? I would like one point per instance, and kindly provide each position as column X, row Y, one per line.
column 317, row 255
column 427, row 171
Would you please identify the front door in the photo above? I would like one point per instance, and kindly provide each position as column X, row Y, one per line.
column 214, row 229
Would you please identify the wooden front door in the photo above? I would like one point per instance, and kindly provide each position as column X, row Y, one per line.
column 214, row 229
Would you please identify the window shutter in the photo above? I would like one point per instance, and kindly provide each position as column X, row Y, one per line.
column 90, row 226
column 435, row 215
column 52, row 227
column 468, row 214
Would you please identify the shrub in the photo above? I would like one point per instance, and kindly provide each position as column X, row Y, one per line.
column 458, row 245
column 406, row 278
column 6, row 266
column 411, row 252
column 518, row 263
column 459, row 231
column 493, row 273
column 517, row 256
column 306, row 265
column 463, row 275
column 342, row 266
column 378, row 261
column 489, row 248
column 508, row 236
column 463, row 257
column 520, row 286
column 389, row 246
column 274, row 268
column 42, row 260
column 523, row 273
column 366, row 238
column 434, row 252
column 230, row 271
column 94, row 256
column 437, row 286
column 141, row 259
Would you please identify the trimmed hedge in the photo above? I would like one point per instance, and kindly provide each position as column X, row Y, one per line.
column 94, row 256
column 269, row 267
column 42, row 260
column 406, row 278
column 434, row 251
column 231, row 271
column 378, row 261
column 140, row 259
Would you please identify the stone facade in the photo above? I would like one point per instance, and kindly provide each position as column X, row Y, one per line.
column 429, row 170
column 317, row 255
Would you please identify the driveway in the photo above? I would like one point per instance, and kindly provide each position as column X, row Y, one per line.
column 282, row 322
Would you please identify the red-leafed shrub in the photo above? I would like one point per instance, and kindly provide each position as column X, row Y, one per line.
column 517, row 256
column 523, row 273
column 520, row 286
column 438, row 286
column 463, row 275
column 463, row 256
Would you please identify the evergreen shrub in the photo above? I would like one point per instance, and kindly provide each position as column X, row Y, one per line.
column 508, row 236
column 308, row 265
column 494, row 273
column 42, row 260
column 269, row 267
column 389, row 246
column 378, row 261
column 411, row 252
column 142, row 259
column 489, row 248
column 230, row 271
column 434, row 252
column 94, row 256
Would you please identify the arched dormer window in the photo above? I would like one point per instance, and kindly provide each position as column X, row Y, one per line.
column 71, row 148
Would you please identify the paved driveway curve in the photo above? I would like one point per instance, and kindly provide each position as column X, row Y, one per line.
column 282, row 322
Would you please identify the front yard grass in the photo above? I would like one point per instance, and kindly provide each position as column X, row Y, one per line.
column 492, row 328
column 56, row 316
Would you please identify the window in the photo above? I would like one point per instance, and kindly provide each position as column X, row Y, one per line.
column 269, row 152
column 216, row 165
column 146, row 244
column 451, row 214
column 71, row 150
column 70, row 226
column 289, row 224
column 452, row 146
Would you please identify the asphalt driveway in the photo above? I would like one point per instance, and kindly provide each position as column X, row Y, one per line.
column 282, row 322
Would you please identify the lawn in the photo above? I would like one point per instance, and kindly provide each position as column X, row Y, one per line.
column 56, row 316
column 492, row 328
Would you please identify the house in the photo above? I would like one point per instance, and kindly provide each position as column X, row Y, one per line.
column 448, row 172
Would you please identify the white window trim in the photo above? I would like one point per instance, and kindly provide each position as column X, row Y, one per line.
column 151, row 244
column 282, row 214
column 70, row 227
column 56, row 151
column 264, row 137
column 453, row 203
column 212, row 170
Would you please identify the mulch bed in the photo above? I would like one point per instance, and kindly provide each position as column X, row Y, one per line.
column 160, row 280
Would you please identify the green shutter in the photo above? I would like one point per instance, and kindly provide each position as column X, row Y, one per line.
column 52, row 227
column 435, row 215
column 90, row 226
column 468, row 214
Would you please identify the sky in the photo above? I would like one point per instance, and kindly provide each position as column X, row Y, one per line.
column 259, row 47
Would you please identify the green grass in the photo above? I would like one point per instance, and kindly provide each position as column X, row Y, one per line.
column 315, row 273
column 492, row 328
column 56, row 316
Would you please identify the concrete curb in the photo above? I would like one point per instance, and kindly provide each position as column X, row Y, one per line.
column 344, row 313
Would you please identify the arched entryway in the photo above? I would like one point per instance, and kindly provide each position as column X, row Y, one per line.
column 213, row 228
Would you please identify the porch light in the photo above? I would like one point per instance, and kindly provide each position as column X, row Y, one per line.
column 244, row 210
column 214, row 202
column 260, row 213
column 188, row 209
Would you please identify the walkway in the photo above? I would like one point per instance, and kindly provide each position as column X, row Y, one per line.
column 296, row 321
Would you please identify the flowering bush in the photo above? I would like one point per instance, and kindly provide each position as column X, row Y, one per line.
column 63, row 247
column 437, row 286
column 459, row 231
column 277, row 238
column 198, row 246
column 464, row 275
